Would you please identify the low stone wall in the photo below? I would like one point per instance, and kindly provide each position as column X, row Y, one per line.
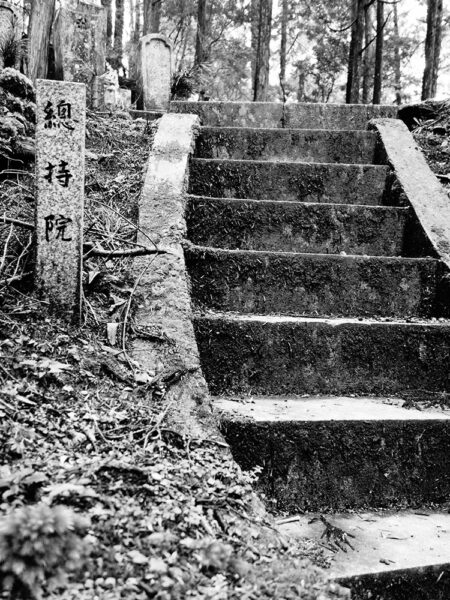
column 421, row 187
column 166, row 347
column 275, row 114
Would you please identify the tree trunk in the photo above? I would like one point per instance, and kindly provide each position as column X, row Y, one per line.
column 301, row 84
column 41, row 19
column 283, row 46
column 109, row 25
column 262, row 58
column 354, row 57
column 369, row 54
column 135, row 6
column 152, row 16
column 432, row 49
column 201, row 44
column 254, row 20
column 397, row 63
column 118, row 34
column 137, row 22
column 379, row 53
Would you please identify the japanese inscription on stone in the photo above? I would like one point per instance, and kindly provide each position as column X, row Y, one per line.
column 60, row 141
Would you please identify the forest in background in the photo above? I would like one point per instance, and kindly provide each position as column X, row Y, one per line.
column 356, row 51
column 299, row 50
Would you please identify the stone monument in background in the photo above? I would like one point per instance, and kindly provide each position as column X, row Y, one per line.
column 80, row 42
column 155, row 72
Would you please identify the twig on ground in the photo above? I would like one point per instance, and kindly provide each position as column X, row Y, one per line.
column 127, row 313
column 14, row 279
column 18, row 222
column 5, row 249
column 336, row 537
column 136, row 227
column 129, row 252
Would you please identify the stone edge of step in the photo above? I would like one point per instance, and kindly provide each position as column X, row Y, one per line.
column 258, row 254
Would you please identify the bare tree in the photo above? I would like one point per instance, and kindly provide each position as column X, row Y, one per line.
column 369, row 53
column 152, row 16
column 137, row 22
column 261, row 39
column 107, row 4
column 379, row 53
column 432, row 48
column 135, row 6
column 397, row 63
column 203, row 31
column 118, row 34
column 355, row 53
column 283, row 46
column 41, row 19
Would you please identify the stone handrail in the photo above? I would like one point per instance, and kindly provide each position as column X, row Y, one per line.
column 429, row 200
column 165, row 346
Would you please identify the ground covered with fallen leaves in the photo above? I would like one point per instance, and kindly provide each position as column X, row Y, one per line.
column 432, row 133
column 99, row 498
column 153, row 516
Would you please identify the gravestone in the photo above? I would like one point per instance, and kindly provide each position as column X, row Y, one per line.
column 80, row 43
column 60, row 147
column 155, row 72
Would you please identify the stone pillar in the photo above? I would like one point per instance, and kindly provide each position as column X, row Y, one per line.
column 80, row 43
column 155, row 72
column 60, row 147
column 9, row 26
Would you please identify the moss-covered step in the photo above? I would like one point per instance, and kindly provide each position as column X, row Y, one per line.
column 295, row 145
column 298, row 355
column 249, row 281
column 340, row 453
column 301, row 182
column 296, row 226
column 272, row 114
column 335, row 116
column 398, row 555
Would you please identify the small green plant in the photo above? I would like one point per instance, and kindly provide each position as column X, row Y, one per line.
column 190, row 81
column 39, row 545
column 17, row 84
column 184, row 84
column 11, row 51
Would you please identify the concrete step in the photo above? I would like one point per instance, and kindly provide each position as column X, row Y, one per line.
column 295, row 115
column 287, row 145
column 340, row 453
column 249, row 281
column 402, row 555
column 296, row 226
column 301, row 182
column 298, row 355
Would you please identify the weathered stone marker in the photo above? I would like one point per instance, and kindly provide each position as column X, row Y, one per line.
column 155, row 71
column 60, row 147
column 80, row 42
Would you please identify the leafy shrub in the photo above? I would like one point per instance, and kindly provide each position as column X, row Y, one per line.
column 12, row 50
column 17, row 84
column 38, row 545
column 184, row 84
column 188, row 82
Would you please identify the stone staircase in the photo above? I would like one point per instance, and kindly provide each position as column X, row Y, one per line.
column 319, row 309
